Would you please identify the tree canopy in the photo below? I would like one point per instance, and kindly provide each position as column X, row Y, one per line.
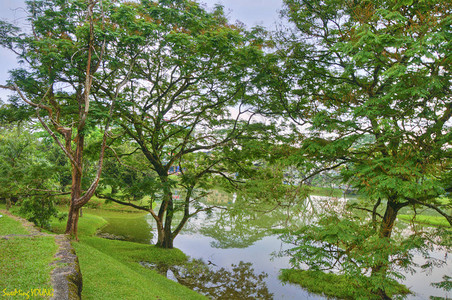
column 192, row 68
column 367, row 84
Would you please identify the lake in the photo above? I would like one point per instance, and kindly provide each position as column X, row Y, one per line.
column 241, row 248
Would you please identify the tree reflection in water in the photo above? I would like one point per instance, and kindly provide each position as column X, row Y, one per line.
column 239, row 282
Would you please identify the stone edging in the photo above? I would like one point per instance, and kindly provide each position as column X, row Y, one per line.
column 66, row 277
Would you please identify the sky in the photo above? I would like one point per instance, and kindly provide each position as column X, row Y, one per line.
column 250, row 12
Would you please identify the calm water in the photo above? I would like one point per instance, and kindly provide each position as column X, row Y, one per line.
column 222, row 240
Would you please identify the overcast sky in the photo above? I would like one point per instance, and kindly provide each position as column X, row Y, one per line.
column 250, row 12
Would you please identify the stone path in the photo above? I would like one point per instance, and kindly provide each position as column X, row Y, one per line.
column 66, row 277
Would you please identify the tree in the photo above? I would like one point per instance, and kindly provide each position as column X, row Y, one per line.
column 64, row 53
column 368, row 84
column 192, row 68
column 27, row 168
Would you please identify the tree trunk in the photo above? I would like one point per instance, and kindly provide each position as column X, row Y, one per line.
column 392, row 208
column 72, row 221
column 165, row 234
column 387, row 224
column 168, row 239
column 76, row 189
column 160, row 233
column 8, row 203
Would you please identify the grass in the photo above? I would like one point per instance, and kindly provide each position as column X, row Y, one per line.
column 11, row 226
column 135, row 221
column 324, row 191
column 437, row 221
column 87, row 225
column 111, row 269
column 115, row 273
column 330, row 285
column 24, row 261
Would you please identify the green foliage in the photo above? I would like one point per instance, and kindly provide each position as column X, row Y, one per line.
column 186, row 68
column 446, row 284
column 367, row 82
column 333, row 285
column 29, row 171
column 364, row 82
column 39, row 210
column 353, row 248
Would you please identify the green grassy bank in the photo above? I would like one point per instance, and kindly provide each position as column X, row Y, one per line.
column 332, row 285
column 111, row 269
column 437, row 221
column 24, row 262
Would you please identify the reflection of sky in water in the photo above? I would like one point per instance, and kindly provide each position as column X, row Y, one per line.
column 419, row 282
column 197, row 245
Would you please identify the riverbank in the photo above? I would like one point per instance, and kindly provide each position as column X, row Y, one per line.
column 110, row 268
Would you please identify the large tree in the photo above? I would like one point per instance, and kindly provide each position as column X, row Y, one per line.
column 67, row 47
column 192, row 69
column 368, row 84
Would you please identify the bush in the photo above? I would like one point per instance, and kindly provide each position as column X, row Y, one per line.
column 39, row 210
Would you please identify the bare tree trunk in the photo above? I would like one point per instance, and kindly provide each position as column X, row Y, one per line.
column 165, row 235
column 387, row 224
column 168, row 238
column 76, row 188
column 160, row 233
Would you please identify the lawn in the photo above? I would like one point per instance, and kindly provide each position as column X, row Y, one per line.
column 87, row 225
column 111, row 269
column 24, row 261
column 437, row 221
column 10, row 226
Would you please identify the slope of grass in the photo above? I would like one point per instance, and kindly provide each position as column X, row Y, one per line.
column 325, row 191
column 11, row 226
column 111, row 271
column 87, row 225
column 24, row 261
column 438, row 221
